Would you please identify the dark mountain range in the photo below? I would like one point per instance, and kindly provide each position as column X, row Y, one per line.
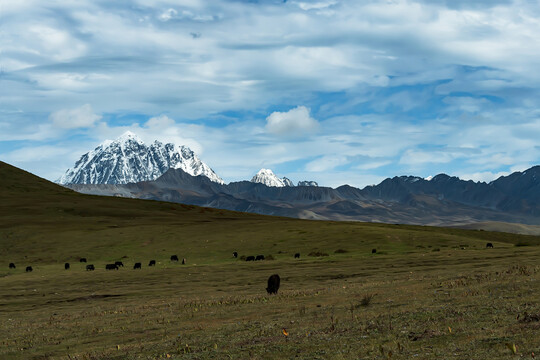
column 443, row 200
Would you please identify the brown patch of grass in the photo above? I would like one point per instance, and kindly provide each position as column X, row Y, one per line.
column 317, row 254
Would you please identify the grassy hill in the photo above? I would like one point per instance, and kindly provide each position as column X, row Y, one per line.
column 427, row 292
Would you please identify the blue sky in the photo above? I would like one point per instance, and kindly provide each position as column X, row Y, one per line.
column 329, row 90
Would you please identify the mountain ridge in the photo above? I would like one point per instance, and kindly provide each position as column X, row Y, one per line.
column 444, row 200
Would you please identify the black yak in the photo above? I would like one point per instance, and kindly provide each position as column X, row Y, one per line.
column 137, row 266
column 119, row 263
column 111, row 267
column 90, row 267
column 184, row 261
column 235, row 254
column 82, row 260
column 12, row 266
column 250, row 258
column 174, row 258
column 152, row 263
column 373, row 251
column 489, row 245
column 273, row 284
column 297, row 256
column 29, row 269
column 66, row 266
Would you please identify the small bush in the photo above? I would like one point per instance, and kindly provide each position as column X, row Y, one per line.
column 340, row 251
column 436, row 249
column 366, row 299
column 523, row 243
column 269, row 257
column 317, row 253
column 243, row 258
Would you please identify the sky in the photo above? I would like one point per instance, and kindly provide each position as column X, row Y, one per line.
column 335, row 91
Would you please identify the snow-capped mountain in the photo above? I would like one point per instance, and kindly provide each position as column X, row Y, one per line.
column 287, row 181
column 307, row 183
column 128, row 160
column 268, row 178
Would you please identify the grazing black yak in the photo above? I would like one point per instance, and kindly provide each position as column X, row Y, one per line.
column 90, row 267
column 373, row 251
column 489, row 245
column 273, row 284
column 137, row 266
column 12, row 266
column 119, row 263
column 259, row 257
column 82, row 260
column 235, row 254
column 66, row 266
column 297, row 256
column 174, row 258
column 250, row 258
column 29, row 269
column 111, row 267
column 152, row 263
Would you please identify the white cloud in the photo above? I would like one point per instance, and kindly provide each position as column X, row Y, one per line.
column 420, row 157
column 34, row 153
column 293, row 122
column 315, row 5
column 57, row 43
column 82, row 117
column 161, row 121
column 326, row 163
column 370, row 165
column 168, row 14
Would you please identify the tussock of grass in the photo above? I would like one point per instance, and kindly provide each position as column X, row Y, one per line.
column 366, row 299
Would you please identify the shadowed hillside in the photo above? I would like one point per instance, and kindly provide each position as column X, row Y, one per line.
column 61, row 225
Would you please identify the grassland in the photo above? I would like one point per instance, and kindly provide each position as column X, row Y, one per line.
column 428, row 293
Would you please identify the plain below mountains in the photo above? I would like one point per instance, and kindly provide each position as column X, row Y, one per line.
column 442, row 201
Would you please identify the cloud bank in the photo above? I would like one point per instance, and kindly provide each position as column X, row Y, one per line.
column 385, row 87
column 82, row 117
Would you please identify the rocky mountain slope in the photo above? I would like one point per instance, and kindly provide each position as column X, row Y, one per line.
column 128, row 160
column 443, row 200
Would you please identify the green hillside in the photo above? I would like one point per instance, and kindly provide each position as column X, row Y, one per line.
column 437, row 293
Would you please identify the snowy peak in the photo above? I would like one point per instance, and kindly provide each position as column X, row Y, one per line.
column 127, row 137
column 287, row 182
column 128, row 160
column 268, row 178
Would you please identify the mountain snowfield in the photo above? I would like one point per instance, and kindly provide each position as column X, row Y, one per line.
column 128, row 160
column 268, row 178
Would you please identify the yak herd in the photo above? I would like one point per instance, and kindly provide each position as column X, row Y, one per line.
column 273, row 280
